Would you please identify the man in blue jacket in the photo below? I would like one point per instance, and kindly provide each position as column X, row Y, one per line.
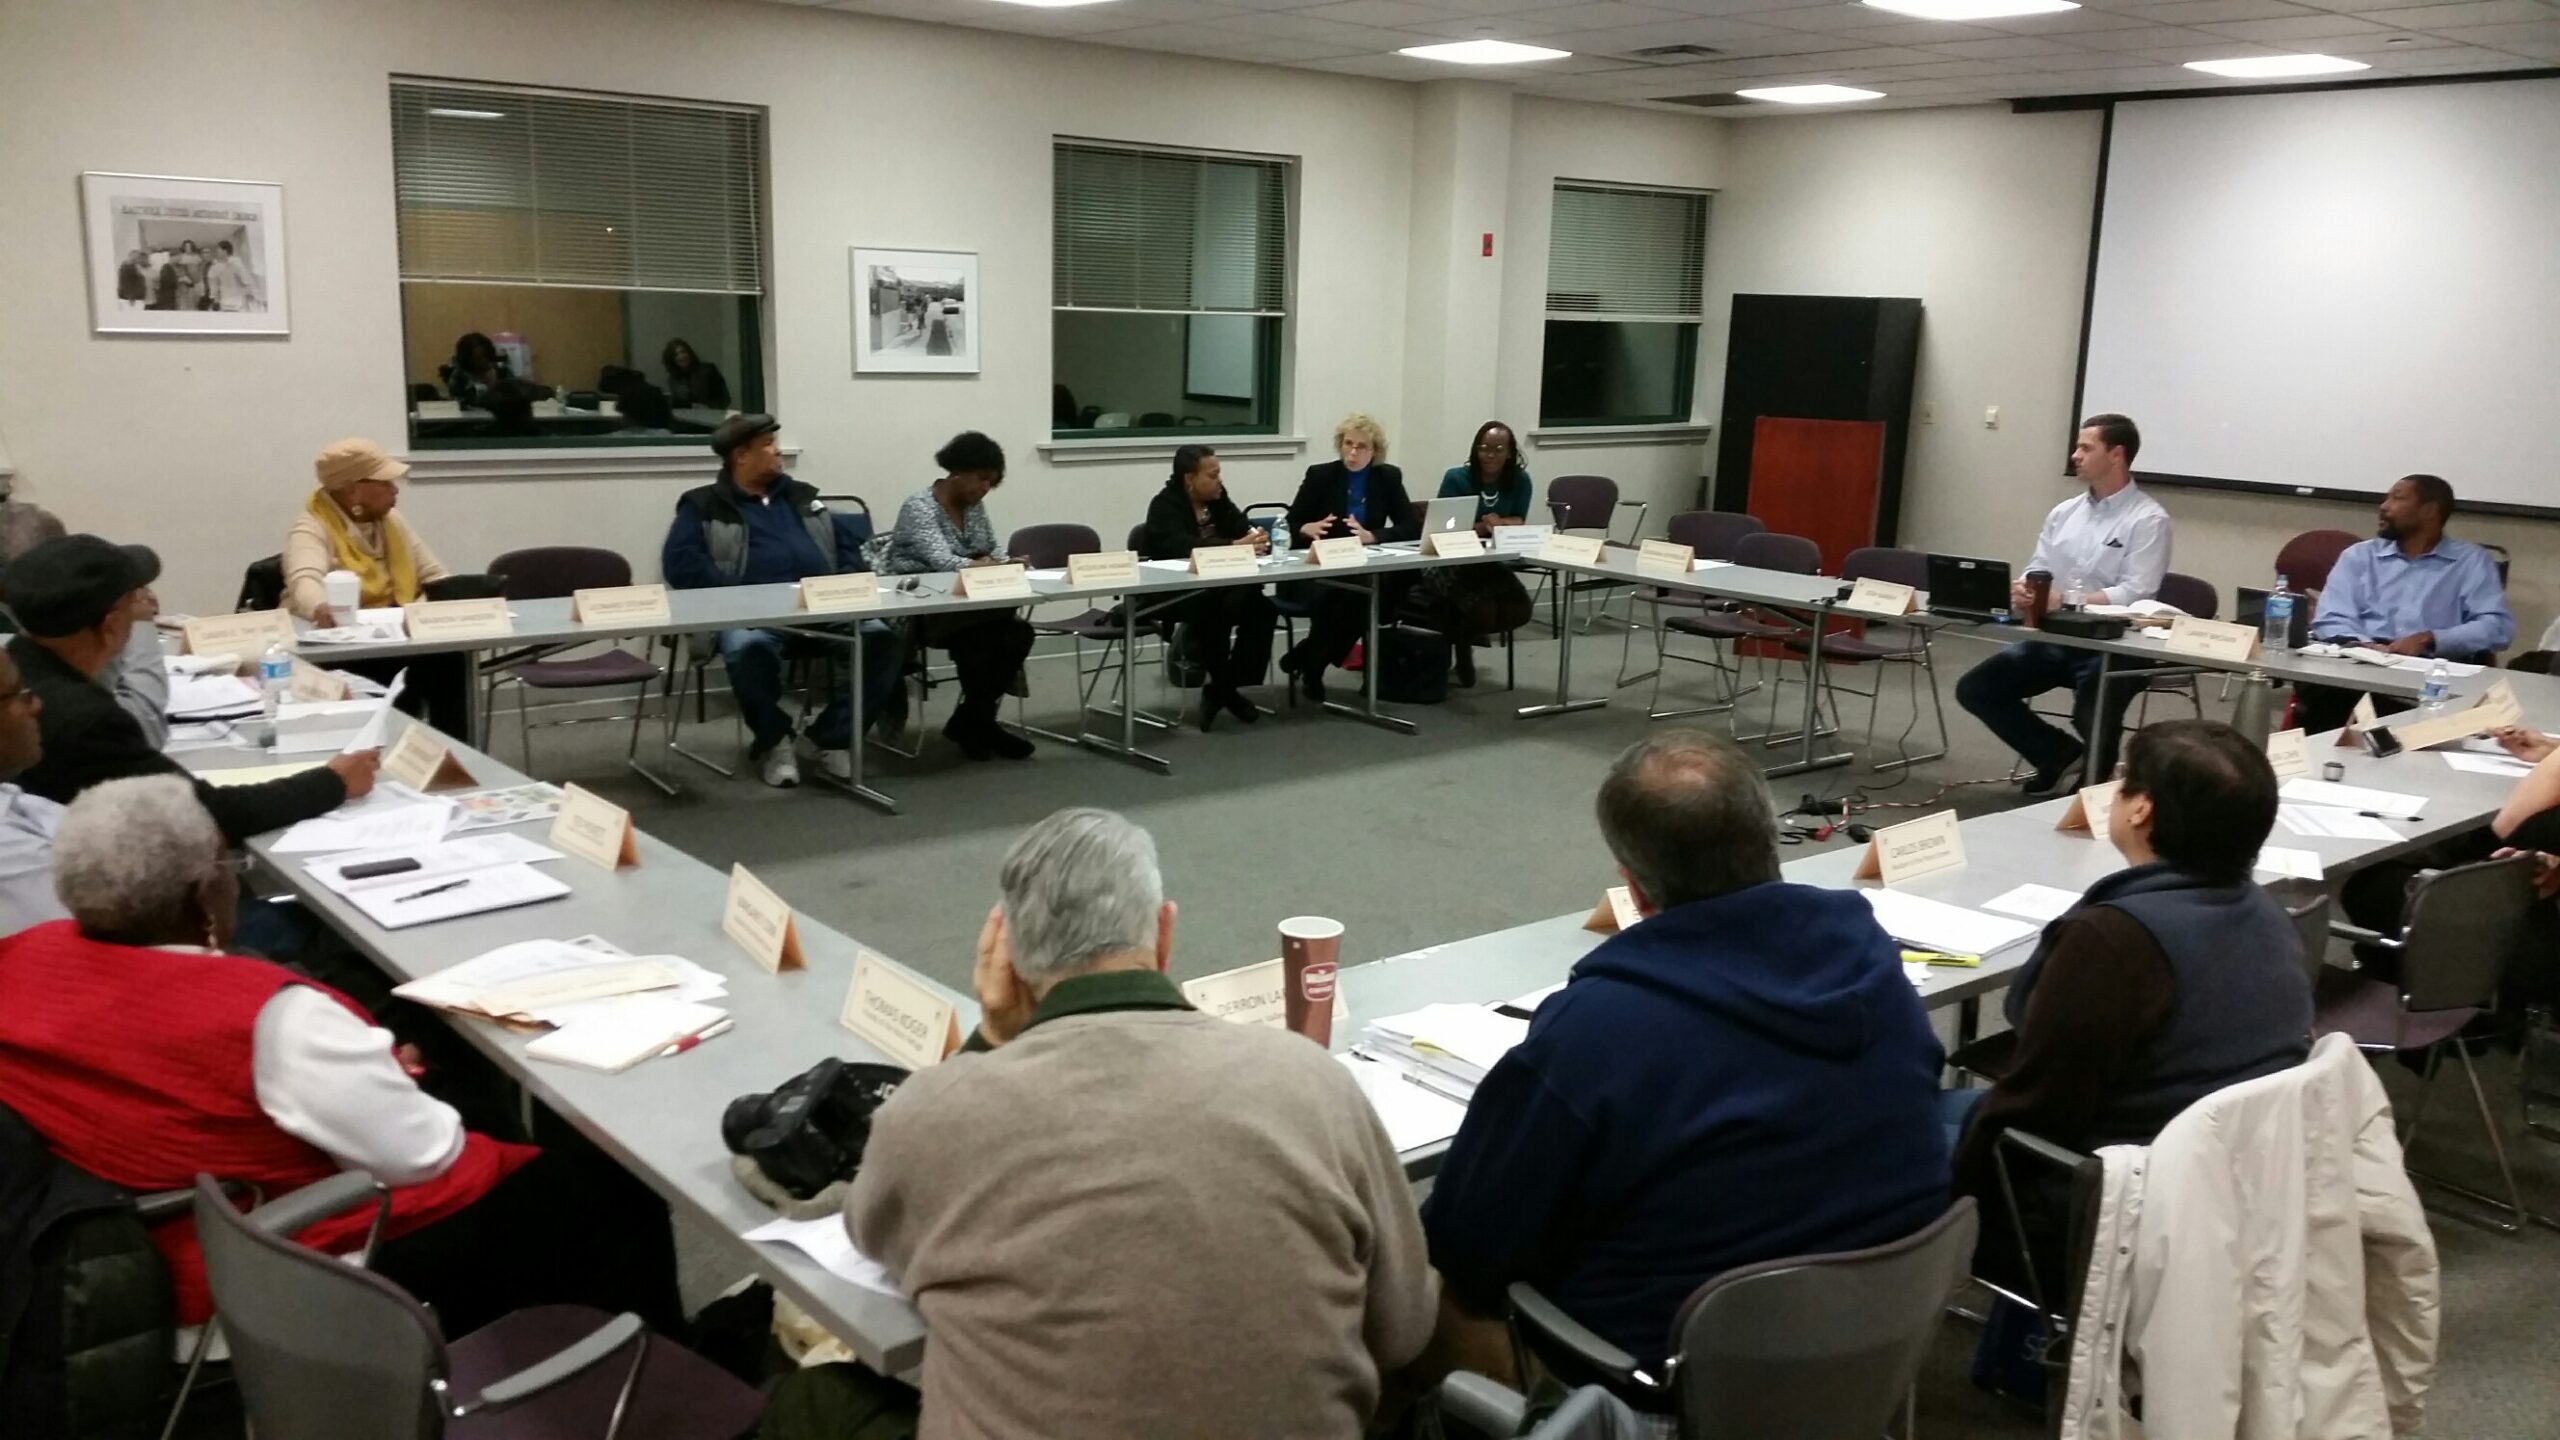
column 1744, row 1075
column 755, row 525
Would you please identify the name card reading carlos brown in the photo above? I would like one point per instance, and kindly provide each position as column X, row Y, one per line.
column 619, row 604
column 1881, row 597
column 1912, row 849
column 898, row 1014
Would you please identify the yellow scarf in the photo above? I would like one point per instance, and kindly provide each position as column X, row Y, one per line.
column 390, row 578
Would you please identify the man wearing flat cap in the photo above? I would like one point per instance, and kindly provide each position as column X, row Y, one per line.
column 756, row 525
column 76, row 601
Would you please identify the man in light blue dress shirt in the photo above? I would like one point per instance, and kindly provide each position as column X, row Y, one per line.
column 27, row 822
column 2411, row 590
column 2107, row 546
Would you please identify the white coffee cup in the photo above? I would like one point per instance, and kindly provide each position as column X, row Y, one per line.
column 346, row 592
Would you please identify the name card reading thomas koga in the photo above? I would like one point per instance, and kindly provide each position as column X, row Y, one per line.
column 898, row 1014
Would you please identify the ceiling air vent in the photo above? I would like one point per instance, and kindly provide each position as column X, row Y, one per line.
column 1702, row 102
column 1675, row 54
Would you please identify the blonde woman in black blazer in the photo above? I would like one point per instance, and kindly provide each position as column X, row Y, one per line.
column 1357, row 494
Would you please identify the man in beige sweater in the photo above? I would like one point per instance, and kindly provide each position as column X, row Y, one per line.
column 1122, row 1217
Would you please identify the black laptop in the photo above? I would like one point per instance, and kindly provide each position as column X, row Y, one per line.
column 2253, row 613
column 1963, row 588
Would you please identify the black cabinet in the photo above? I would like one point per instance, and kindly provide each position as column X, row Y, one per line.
column 1818, row 357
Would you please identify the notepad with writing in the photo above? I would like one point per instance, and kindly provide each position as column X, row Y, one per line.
column 637, row 1028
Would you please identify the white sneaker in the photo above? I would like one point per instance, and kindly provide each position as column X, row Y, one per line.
column 838, row 764
column 781, row 767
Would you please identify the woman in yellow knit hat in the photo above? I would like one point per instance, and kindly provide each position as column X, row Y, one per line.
column 349, row 523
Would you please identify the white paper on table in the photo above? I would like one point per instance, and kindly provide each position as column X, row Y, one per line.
column 374, row 828
column 826, row 1241
column 2286, row 861
column 2330, row 822
column 2039, row 903
column 694, row 985
column 455, row 985
column 1936, row 925
column 639, row 1028
column 1174, row 567
column 1528, row 1004
column 1413, row 1115
column 2502, row 764
column 370, row 737
column 1475, row 1035
column 1697, row 565
column 499, row 887
column 202, row 735
column 2481, row 745
column 184, row 665
column 436, row 860
column 212, row 695
column 1058, row 574
column 2353, row 797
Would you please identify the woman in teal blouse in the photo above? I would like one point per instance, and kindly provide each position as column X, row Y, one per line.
column 1475, row 602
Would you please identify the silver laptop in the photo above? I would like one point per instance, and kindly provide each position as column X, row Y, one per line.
column 1449, row 514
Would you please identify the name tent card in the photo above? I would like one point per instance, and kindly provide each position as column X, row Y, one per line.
column 422, row 761
column 247, row 634
column 1337, row 553
column 458, row 619
column 1521, row 539
column 993, row 582
column 1110, row 567
column 619, row 604
column 2364, row 716
column 2211, row 639
column 2495, row 709
column 1570, row 549
column 760, row 922
column 1881, row 597
column 2089, row 809
column 2288, row 754
column 1453, row 542
column 310, row 682
column 1225, row 560
column 1250, row 995
column 1664, row 558
column 840, row 592
column 1912, row 849
column 594, row 829
column 898, row 1013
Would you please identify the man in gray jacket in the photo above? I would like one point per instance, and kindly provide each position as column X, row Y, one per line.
column 1122, row 1217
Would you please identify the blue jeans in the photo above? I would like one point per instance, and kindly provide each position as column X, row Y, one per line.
column 754, row 659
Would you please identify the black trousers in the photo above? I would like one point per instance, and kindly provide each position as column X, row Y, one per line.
column 1996, row 693
column 1341, row 618
column 438, row 691
column 570, row 1228
column 987, row 650
column 1230, row 633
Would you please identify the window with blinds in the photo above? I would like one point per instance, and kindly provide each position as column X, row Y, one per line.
column 1626, row 292
column 1169, row 289
column 576, row 269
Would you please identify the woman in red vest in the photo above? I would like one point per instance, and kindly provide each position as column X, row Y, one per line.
column 144, row 1055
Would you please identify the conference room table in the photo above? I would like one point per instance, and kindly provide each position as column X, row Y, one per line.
column 660, row 1119
column 543, row 627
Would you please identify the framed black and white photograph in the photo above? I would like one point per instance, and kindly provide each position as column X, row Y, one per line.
column 915, row 312
column 176, row 256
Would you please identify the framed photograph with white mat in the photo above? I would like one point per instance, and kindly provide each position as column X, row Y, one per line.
column 915, row 312
column 169, row 255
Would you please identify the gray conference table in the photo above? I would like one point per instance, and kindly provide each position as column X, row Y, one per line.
column 660, row 1119
column 544, row 626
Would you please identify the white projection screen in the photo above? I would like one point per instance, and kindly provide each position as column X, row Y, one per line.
column 2319, row 293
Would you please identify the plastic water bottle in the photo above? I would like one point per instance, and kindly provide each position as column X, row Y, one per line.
column 2070, row 599
column 2439, row 685
column 2278, row 621
column 275, row 677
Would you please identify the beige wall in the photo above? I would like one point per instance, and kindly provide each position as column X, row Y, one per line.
column 203, row 446
column 1984, row 215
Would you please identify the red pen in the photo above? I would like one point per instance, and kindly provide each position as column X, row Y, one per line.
column 717, row 1028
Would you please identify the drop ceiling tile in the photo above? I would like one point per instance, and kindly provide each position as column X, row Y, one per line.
column 1322, row 32
column 1686, row 30
column 2006, row 47
column 2390, row 42
column 1958, row 69
column 1817, row 18
column 2149, row 38
column 1386, row 14
column 2297, row 27
column 2472, row 12
column 1380, row 67
column 1923, row 32
column 1603, row 15
column 2065, row 22
column 2213, row 12
column 2540, row 38
column 2084, row 60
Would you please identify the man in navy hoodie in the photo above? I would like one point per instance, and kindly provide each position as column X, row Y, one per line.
column 1744, row 1075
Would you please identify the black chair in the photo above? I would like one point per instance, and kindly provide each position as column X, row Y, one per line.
column 1710, row 535
column 1048, row 547
column 261, row 585
column 1588, row 502
column 1293, row 605
column 551, row 572
column 1885, row 644
column 1757, row 550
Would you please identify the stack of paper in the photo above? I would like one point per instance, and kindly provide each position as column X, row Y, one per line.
column 1935, row 925
column 1414, row 1114
column 369, row 627
column 434, row 860
column 1448, row 1047
column 553, row 982
column 638, row 1028
column 825, row 1240
column 2504, row 766
column 393, row 816
column 212, row 697
column 498, row 887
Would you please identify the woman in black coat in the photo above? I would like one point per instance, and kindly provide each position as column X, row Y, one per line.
column 1358, row 495
column 1229, row 627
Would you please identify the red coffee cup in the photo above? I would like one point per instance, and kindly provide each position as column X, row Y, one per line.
column 1310, row 959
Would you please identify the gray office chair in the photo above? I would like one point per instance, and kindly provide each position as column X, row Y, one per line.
column 323, row 1350
column 1492, row 1409
column 1819, row 1347
column 2463, row 926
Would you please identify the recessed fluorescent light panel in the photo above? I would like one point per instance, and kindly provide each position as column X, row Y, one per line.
column 1051, row 4
column 454, row 114
column 1484, row 52
column 1811, row 94
column 2277, row 67
column 1971, row 9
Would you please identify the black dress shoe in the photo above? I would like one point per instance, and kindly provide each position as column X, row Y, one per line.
column 972, row 739
column 1463, row 665
column 2048, row 779
column 1211, row 702
column 1006, row 745
column 1238, row 706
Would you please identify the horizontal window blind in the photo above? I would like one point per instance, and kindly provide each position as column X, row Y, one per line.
column 1170, row 231
column 1619, row 253
column 519, row 187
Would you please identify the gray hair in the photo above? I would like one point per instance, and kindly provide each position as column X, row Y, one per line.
column 129, row 851
column 1079, row 886
column 23, row 527
column 1688, row 815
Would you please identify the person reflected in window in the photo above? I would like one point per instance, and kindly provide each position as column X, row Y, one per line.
column 510, row 406
column 475, row 370
column 1229, row 626
column 692, row 382
column 1482, row 600
column 645, row 410
column 1358, row 495
column 944, row 528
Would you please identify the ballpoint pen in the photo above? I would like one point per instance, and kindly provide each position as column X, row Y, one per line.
column 431, row 890
column 720, row 1027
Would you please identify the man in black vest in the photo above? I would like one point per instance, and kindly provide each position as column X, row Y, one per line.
column 756, row 525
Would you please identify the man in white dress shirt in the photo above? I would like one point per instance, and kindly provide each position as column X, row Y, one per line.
column 2108, row 546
